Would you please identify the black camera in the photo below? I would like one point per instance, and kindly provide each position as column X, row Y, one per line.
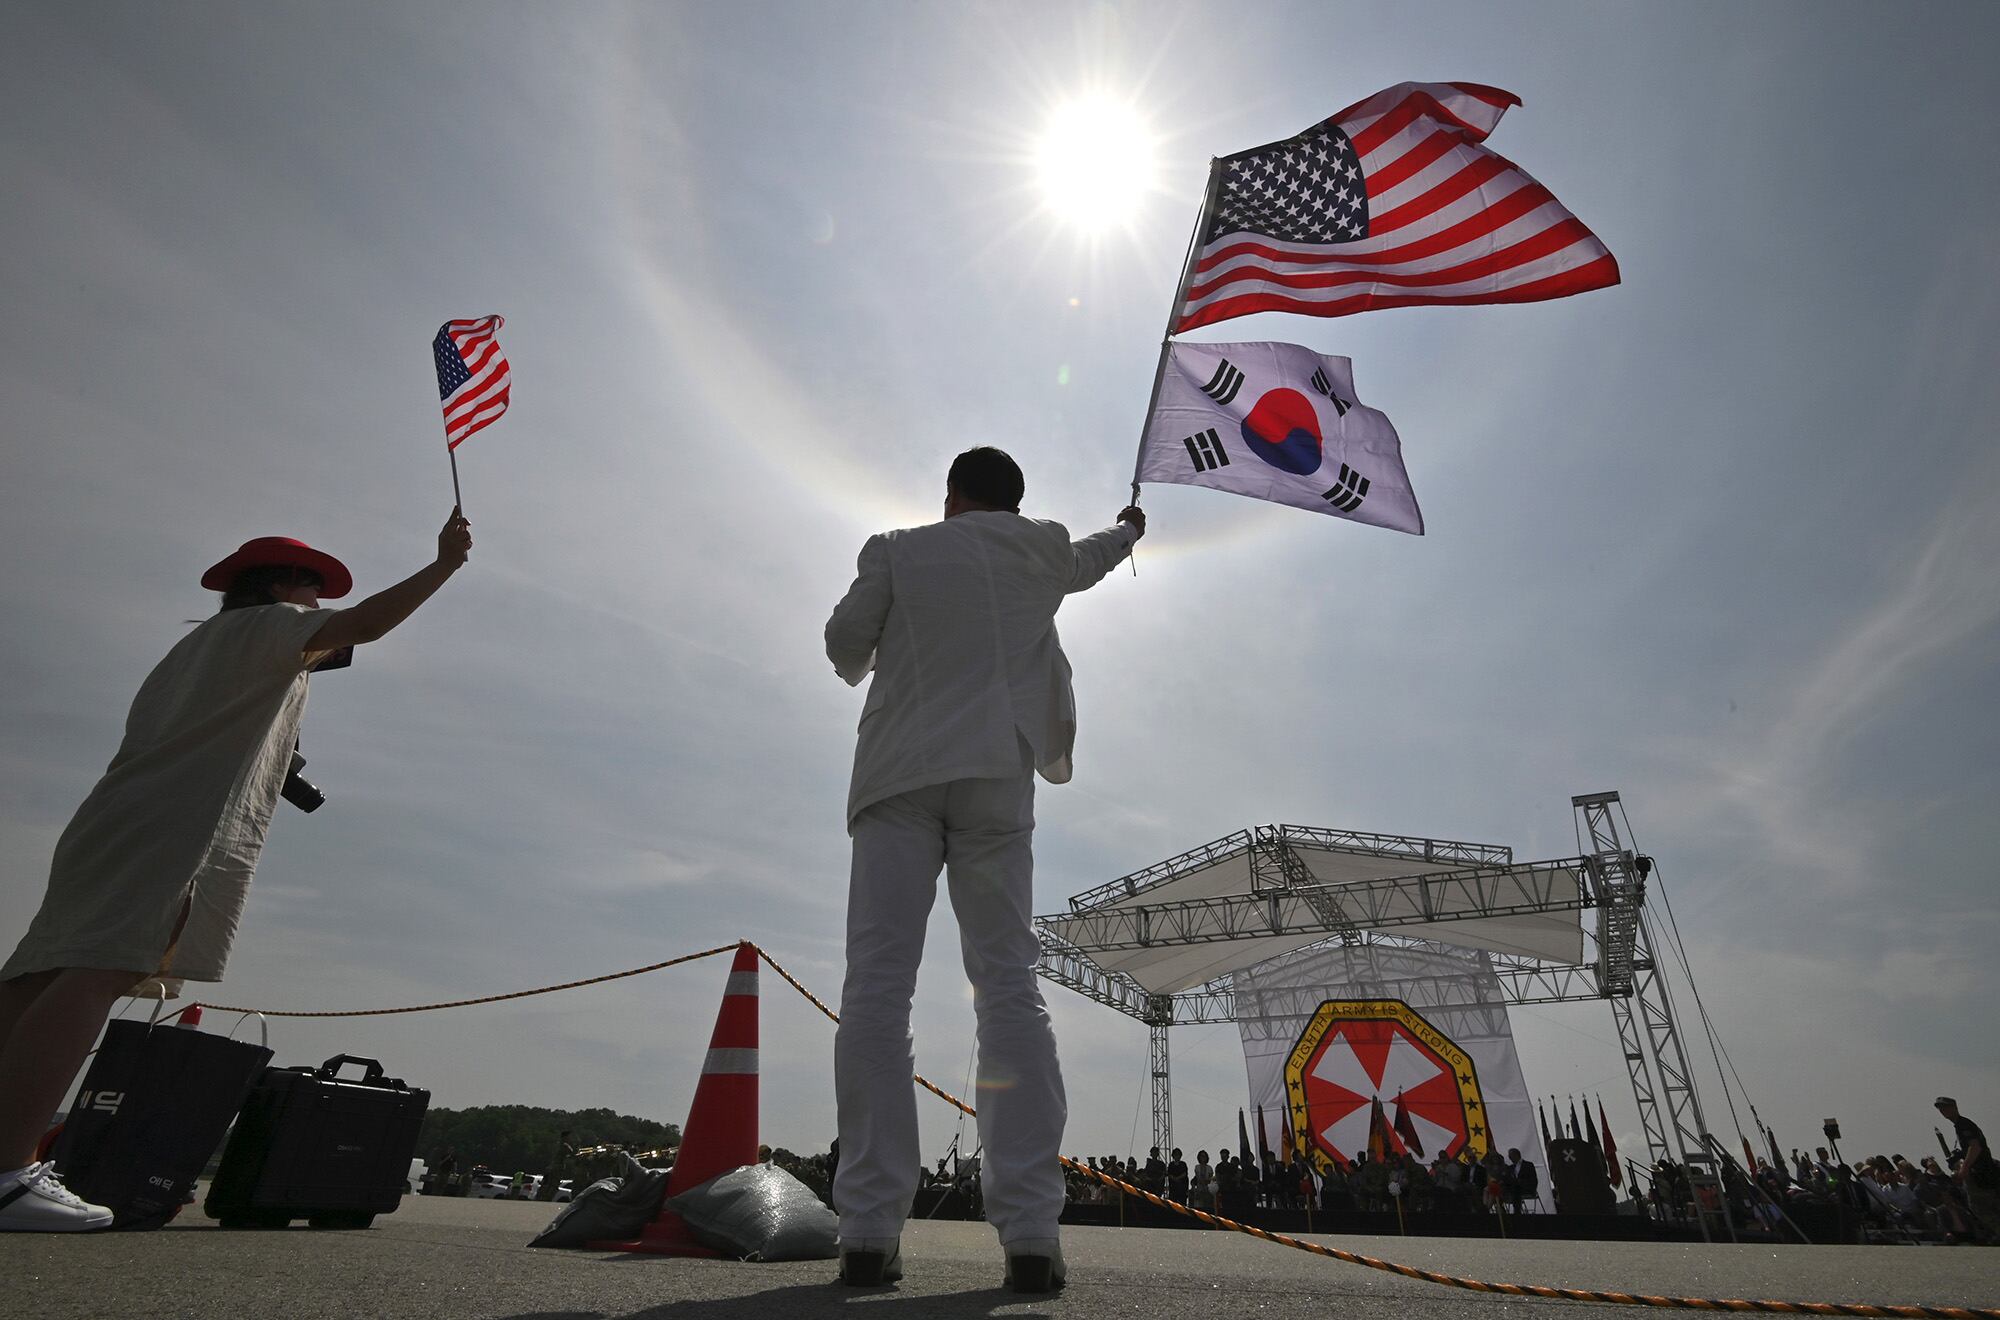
column 298, row 790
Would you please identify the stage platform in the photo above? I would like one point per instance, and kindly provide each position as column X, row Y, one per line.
column 465, row 1260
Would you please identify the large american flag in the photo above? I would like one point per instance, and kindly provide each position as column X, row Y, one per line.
column 1392, row 202
column 473, row 377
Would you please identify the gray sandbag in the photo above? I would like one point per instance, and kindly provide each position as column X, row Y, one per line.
column 759, row 1212
column 614, row 1209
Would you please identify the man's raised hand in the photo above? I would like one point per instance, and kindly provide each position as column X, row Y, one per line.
column 455, row 541
column 1136, row 516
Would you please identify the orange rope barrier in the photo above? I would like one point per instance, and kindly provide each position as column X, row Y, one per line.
column 1230, row 1225
column 1539, row 1290
column 483, row 999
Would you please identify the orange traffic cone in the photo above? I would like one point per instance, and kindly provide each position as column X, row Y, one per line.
column 721, row 1129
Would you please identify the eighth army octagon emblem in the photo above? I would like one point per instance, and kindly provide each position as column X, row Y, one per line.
column 1354, row 1052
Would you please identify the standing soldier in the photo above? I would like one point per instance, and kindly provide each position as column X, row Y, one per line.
column 1978, row 1172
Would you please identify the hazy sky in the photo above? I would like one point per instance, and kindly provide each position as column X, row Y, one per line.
column 1723, row 538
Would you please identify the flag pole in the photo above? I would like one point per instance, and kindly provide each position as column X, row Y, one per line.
column 458, row 502
column 1174, row 314
column 1208, row 197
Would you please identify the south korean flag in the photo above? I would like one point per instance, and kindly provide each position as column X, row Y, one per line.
column 1277, row 422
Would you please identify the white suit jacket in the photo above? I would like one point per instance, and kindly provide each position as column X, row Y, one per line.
column 957, row 621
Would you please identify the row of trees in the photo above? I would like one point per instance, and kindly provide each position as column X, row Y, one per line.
column 506, row 1138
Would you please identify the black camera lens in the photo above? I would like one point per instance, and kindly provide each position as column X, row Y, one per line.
column 302, row 794
column 299, row 791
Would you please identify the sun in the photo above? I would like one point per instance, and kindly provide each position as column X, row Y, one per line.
column 1095, row 161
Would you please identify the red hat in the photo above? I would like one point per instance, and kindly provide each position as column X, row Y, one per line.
column 281, row 552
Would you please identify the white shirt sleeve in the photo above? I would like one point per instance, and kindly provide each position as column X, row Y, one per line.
column 855, row 628
column 1097, row 554
column 282, row 633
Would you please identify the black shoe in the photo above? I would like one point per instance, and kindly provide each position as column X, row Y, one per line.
column 872, row 1262
column 1037, row 1267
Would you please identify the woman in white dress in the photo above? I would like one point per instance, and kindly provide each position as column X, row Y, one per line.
column 150, row 876
column 1201, row 1183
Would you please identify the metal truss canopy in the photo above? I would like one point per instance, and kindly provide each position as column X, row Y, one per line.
column 1244, row 843
column 1306, row 914
column 1257, row 894
column 1522, row 980
column 1162, row 942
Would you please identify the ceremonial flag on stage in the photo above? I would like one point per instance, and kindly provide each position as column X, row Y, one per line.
column 1393, row 202
column 1590, row 1128
column 1406, row 1130
column 1263, row 1146
column 474, row 380
column 1243, row 1141
column 1277, row 422
column 1291, row 1145
column 1574, row 1131
column 1611, row 1169
column 1379, row 1144
column 1543, row 1119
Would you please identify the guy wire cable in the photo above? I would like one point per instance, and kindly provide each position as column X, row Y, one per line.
column 1715, row 1049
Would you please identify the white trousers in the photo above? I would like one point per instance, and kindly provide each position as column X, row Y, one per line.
column 979, row 832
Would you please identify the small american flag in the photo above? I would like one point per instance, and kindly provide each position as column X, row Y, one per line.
column 1392, row 202
column 473, row 377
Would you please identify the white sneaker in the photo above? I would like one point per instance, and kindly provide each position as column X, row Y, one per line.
column 33, row 1200
column 1035, row 1265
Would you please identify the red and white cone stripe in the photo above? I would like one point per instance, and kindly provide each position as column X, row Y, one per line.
column 721, row 1129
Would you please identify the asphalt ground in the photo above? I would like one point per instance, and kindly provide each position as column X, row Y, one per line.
column 447, row 1257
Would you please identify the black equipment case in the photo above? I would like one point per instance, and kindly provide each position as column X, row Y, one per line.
column 312, row 1145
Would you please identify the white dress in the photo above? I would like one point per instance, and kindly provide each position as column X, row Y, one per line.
column 182, row 811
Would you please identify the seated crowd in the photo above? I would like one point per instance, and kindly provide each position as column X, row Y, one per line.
column 1889, row 1195
column 1232, row 1186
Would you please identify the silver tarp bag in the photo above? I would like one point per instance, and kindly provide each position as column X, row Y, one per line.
column 759, row 1212
column 614, row 1209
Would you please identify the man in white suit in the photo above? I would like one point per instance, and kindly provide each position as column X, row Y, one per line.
column 971, row 697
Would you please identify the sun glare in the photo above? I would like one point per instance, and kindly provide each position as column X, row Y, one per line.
column 1095, row 161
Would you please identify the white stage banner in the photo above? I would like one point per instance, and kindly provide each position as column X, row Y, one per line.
column 1328, row 1031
